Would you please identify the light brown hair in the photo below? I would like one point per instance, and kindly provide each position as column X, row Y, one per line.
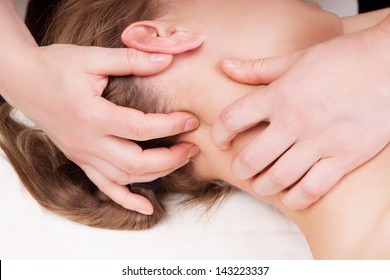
column 60, row 185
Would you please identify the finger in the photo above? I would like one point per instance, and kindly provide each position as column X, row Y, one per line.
column 135, row 125
column 124, row 61
column 287, row 170
column 258, row 71
column 119, row 194
column 153, row 176
column 121, row 178
column 319, row 180
column 132, row 160
column 240, row 116
column 264, row 150
column 109, row 171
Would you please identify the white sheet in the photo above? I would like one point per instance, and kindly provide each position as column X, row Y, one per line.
column 241, row 228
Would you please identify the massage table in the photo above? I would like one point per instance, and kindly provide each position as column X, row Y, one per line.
column 241, row 227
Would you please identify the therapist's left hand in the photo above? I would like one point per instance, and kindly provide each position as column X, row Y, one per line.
column 328, row 109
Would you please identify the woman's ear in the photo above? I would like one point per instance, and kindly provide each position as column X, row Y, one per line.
column 158, row 37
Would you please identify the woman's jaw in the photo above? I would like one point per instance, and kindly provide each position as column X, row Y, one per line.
column 232, row 29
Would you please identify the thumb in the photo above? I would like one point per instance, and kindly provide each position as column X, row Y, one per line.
column 124, row 61
column 258, row 71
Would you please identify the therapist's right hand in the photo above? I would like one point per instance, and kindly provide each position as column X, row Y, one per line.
column 61, row 92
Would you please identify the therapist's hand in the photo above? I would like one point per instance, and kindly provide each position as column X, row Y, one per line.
column 60, row 86
column 328, row 109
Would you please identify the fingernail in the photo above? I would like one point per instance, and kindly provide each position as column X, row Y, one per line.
column 158, row 57
column 191, row 124
column 144, row 211
column 193, row 151
column 233, row 63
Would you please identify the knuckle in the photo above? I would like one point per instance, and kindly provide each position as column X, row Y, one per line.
column 83, row 115
column 257, row 66
column 249, row 161
column 132, row 57
column 124, row 180
column 301, row 117
column 229, row 120
column 135, row 169
column 72, row 147
column 296, row 123
column 175, row 128
column 143, row 131
column 278, row 180
column 309, row 192
column 139, row 128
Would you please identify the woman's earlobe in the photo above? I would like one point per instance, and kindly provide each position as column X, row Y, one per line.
column 149, row 36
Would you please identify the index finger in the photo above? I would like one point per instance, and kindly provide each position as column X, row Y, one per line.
column 132, row 124
column 119, row 194
column 123, row 61
column 243, row 114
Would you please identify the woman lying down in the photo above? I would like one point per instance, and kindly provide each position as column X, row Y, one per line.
column 352, row 221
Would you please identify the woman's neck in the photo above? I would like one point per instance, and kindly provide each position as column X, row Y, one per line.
column 345, row 213
column 349, row 221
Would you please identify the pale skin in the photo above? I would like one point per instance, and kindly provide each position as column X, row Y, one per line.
column 95, row 138
column 324, row 100
column 351, row 221
column 61, row 92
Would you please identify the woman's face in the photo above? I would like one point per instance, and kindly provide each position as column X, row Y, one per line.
column 244, row 29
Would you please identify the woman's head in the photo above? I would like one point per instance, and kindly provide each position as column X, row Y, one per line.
column 246, row 29
column 54, row 181
column 194, row 82
column 200, row 33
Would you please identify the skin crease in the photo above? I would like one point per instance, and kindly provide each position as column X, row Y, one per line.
column 350, row 221
column 63, row 97
column 295, row 25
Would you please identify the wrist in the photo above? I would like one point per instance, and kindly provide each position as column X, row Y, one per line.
column 16, row 50
column 16, row 66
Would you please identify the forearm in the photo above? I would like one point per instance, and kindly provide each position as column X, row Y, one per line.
column 16, row 43
column 13, row 31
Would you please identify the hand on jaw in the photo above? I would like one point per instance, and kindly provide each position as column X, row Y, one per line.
column 95, row 133
column 328, row 109
column 63, row 98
